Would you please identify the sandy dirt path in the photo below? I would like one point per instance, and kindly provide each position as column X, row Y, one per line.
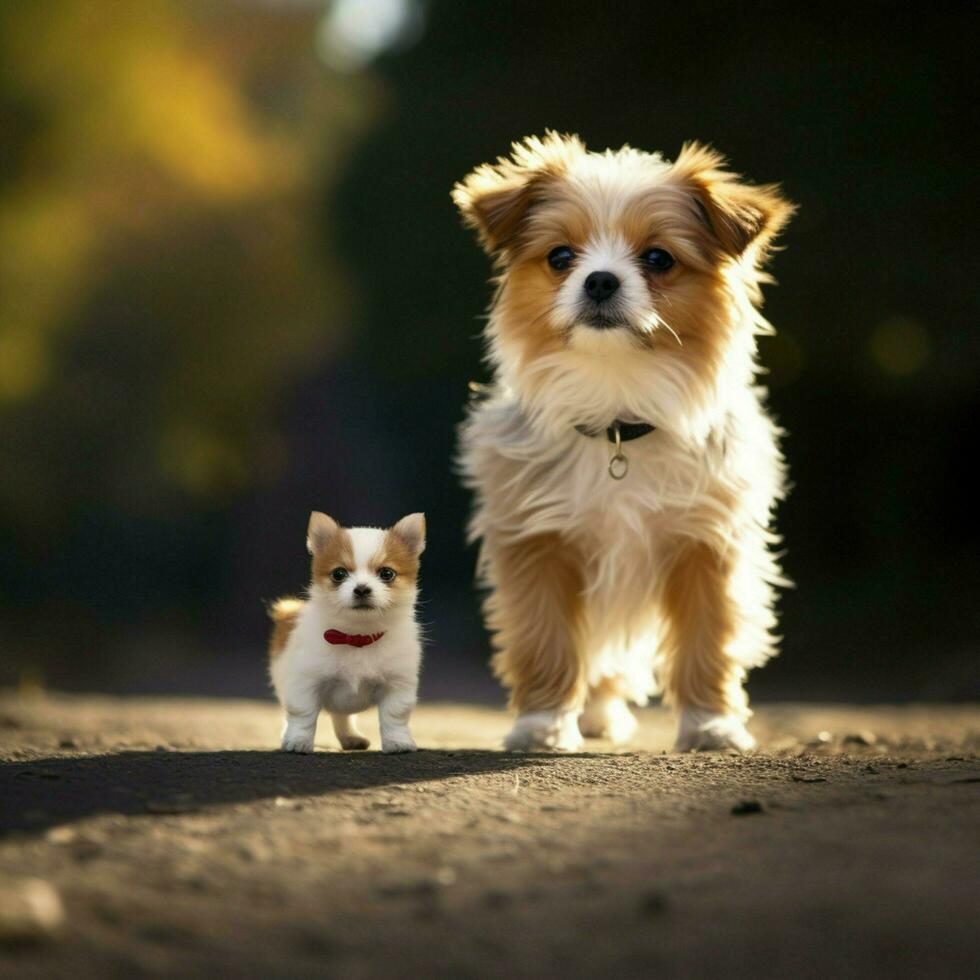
column 180, row 844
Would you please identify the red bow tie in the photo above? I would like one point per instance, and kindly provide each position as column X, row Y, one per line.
column 351, row 639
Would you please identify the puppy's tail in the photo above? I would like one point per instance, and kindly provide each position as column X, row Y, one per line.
column 283, row 613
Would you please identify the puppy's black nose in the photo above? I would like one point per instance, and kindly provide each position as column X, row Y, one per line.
column 600, row 285
column 362, row 590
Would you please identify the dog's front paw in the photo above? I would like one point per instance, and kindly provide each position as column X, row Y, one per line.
column 707, row 731
column 353, row 743
column 556, row 730
column 398, row 743
column 292, row 742
column 607, row 718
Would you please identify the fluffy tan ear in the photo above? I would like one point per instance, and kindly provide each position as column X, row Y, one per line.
column 411, row 531
column 496, row 197
column 320, row 532
column 739, row 214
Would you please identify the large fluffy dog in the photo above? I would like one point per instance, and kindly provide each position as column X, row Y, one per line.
column 624, row 466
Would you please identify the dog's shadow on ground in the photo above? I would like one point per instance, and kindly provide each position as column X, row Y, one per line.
column 43, row 793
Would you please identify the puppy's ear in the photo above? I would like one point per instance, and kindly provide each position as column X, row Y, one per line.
column 411, row 531
column 322, row 529
column 738, row 214
column 496, row 197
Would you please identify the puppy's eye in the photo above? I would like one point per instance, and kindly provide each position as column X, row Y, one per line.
column 657, row 259
column 561, row 257
column 386, row 574
column 339, row 574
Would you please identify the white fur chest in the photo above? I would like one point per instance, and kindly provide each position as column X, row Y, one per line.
column 661, row 479
column 349, row 679
column 542, row 483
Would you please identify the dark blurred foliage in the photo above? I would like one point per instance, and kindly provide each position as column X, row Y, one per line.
column 233, row 288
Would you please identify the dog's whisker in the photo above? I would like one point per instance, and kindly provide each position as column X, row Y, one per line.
column 654, row 322
column 671, row 331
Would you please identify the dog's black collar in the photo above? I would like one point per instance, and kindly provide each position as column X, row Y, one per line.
column 628, row 431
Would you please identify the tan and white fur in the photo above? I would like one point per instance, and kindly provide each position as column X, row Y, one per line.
column 310, row 674
column 601, row 591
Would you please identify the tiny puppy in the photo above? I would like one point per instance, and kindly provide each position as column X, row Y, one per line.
column 354, row 642
column 624, row 466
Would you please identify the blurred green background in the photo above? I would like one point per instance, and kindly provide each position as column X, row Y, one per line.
column 233, row 289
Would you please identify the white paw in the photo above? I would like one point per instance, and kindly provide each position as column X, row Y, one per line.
column 556, row 730
column 353, row 743
column 706, row 731
column 608, row 718
column 292, row 742
column 398, row 743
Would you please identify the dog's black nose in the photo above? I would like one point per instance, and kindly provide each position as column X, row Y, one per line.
column 362, row 590
column 600, row 285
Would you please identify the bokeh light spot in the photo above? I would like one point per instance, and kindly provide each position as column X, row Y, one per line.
column 199, row 461
column 900, row 346
column 354, row 32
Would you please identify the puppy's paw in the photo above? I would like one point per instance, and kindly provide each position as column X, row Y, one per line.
column 706, row 731
column 292, row 742
column 353, row 743
column 556, row 730
column 607, row 718
column 398, row 743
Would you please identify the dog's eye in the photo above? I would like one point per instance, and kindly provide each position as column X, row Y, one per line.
column 339, row 574
column 561, row 257
column 657, row 259
column 386, row 574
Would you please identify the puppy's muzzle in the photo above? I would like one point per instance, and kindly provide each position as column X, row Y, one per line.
column 362, row 597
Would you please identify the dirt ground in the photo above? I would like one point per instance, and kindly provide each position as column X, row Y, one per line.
column 178, row 843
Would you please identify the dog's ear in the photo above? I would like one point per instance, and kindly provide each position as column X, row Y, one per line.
column 411, row 531
column 321, row 530
column 497, row 197
column 738, row 214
